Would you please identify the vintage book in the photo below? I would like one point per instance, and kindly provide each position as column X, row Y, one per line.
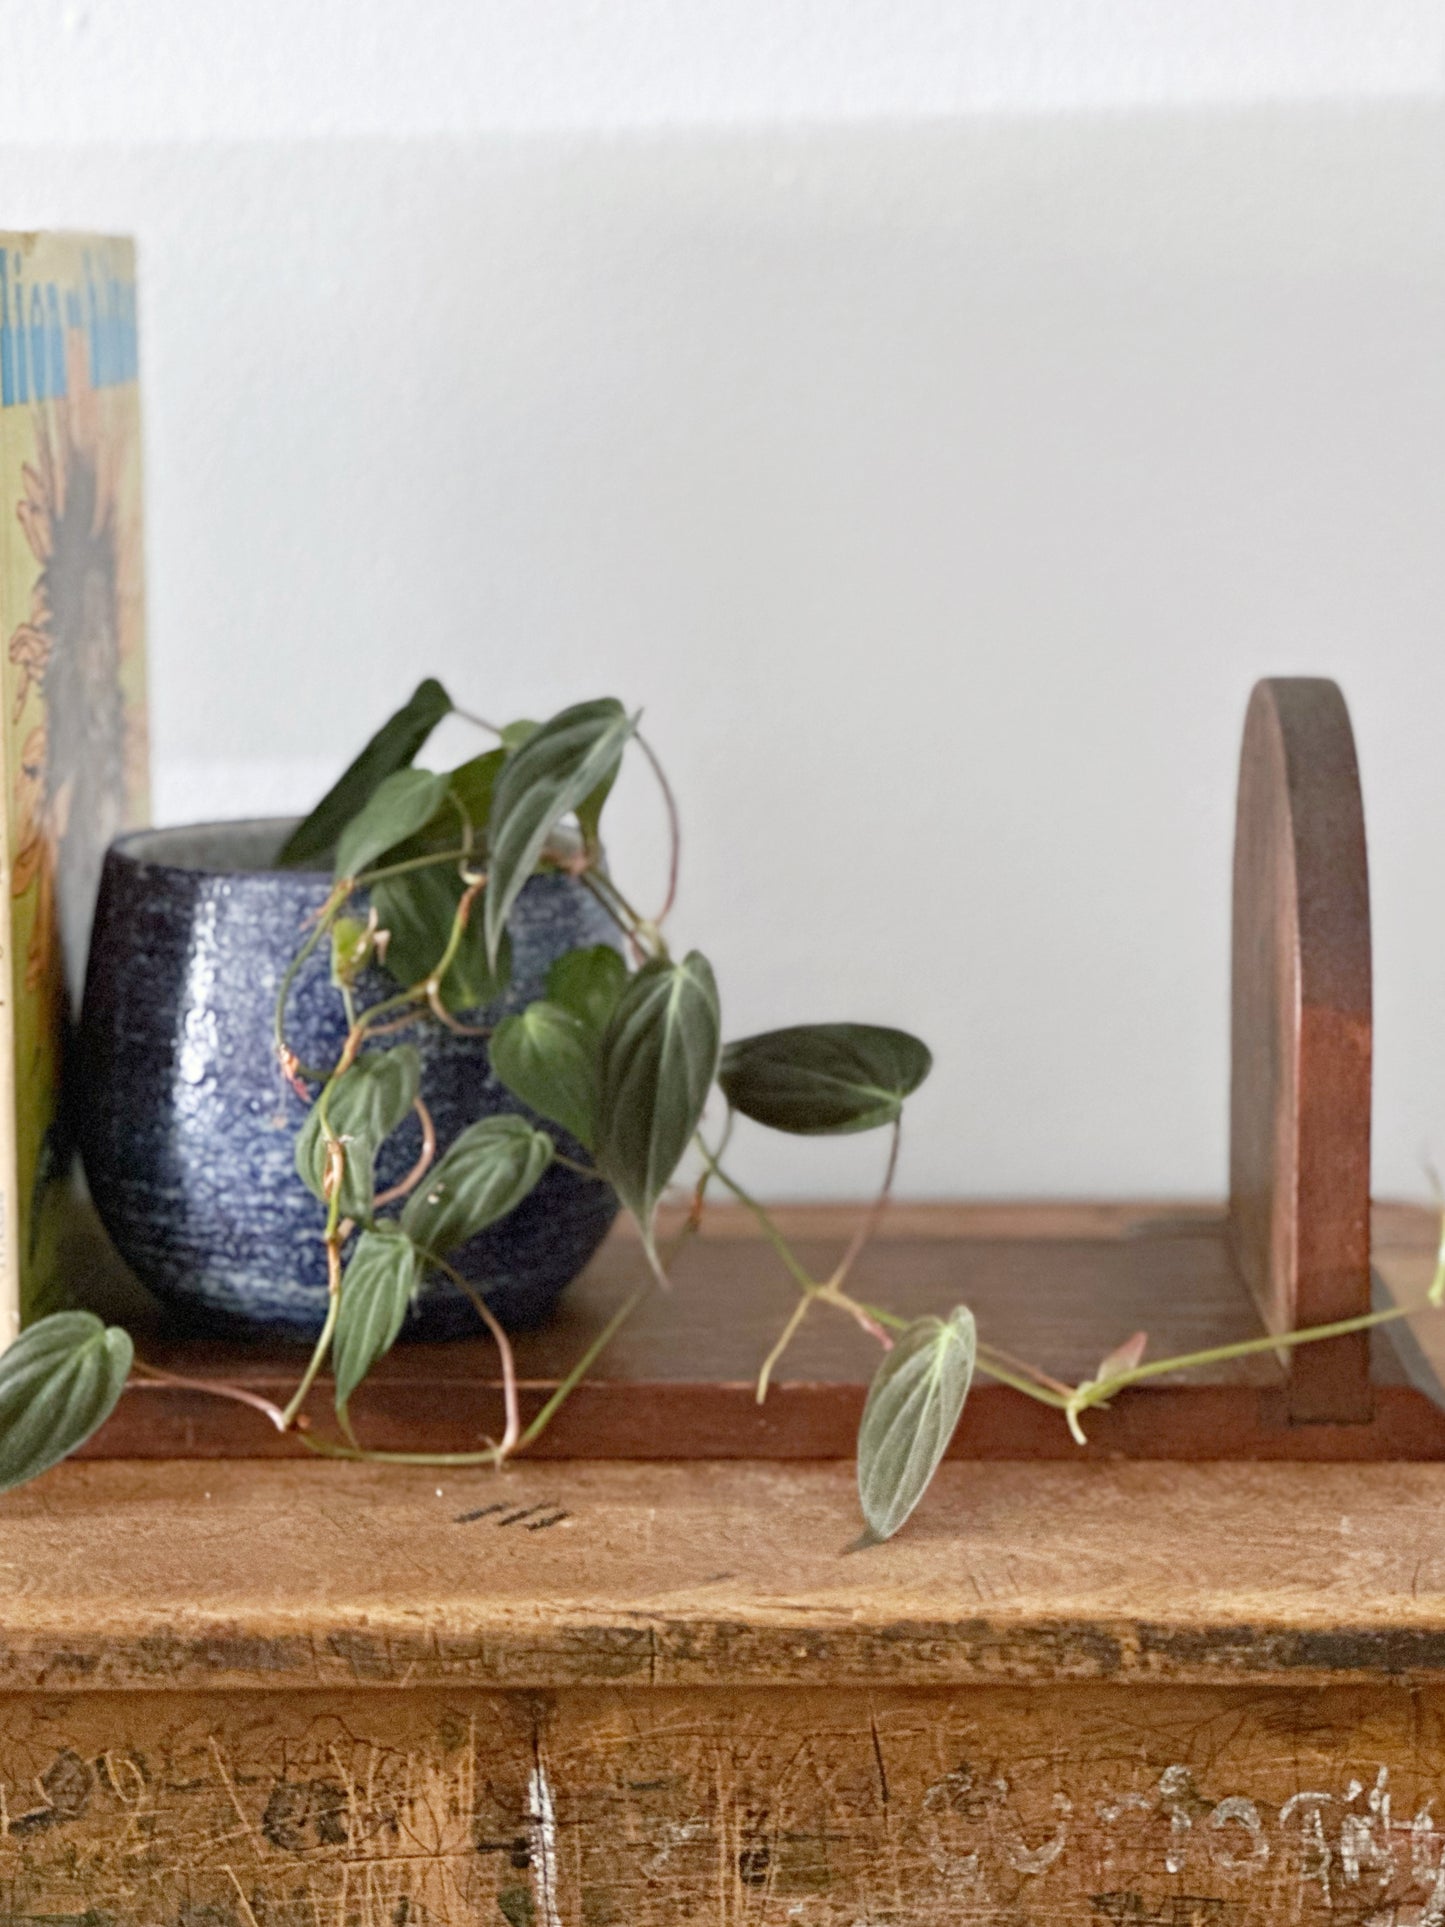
column 73, row 756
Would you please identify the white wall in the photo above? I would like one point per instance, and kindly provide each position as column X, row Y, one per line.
column 938, row 457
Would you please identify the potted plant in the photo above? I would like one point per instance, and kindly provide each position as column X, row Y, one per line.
column 601, row 1049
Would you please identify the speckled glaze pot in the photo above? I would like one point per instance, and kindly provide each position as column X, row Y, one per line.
column 186, row 1126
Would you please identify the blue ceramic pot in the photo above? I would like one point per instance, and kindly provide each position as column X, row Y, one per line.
column 187, row 1127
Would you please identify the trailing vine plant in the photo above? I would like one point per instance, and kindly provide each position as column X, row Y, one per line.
column 621, row 1059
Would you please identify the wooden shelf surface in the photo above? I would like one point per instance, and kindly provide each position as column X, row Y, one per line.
column 1060, row 1284
column 282, row 1577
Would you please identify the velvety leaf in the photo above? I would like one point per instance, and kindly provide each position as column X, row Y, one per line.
column 486, row 1173
column 59, row 1382
column 549, row 1058
column 515, row 734
column 366, row 1104
column 417, row 910
column 376, row 1287
column 659, row 1058
column 588, row 983
column 589, row 810
column 393, row 747
column 913, row 1408
column 823, row 1079
column 396, row 809
column 556, row 769
column 473, row 784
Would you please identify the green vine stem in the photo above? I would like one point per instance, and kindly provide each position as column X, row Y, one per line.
column 674, row 829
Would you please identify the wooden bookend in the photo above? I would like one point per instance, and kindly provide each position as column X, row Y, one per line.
column 1299, row 1165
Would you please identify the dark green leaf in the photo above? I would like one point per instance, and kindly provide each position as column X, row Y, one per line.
column 393, row 747
column 821, row 1079
column 59, row 1382
column 396, row 809
column 366, row 1104
column 376, row 1287
column 913, row 1408
column 554, row 771
column 588, row 983
column 549, row 1058
column 473, row 784
column 487, row 1172
column 589, row 810
column 659, row 1058
column 417, row 910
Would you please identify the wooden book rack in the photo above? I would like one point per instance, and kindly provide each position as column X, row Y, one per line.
column 1056, row 1283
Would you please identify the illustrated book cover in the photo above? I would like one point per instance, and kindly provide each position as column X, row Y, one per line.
column 73, row 756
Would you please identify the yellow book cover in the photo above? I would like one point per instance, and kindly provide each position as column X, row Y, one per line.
column 73, row 754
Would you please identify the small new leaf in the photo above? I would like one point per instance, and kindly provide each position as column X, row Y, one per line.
column 366, row 1104
column 376, row 1287
column 1124, row 1358
column 588, row 983
column 59, row 1382
column 818, row 1080
column 549, row 1058
column 486, row 1173
column 913, row 1408
column 555, row 770
column 393, row 747
column 659, row 1058
column 396, row 809
column 351, row 947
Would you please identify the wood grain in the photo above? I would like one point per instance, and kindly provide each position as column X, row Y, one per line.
column 282, row 1578
column 1301, row 1051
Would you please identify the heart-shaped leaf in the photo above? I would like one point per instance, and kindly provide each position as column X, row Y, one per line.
column 397, row 808
column 913, row 1408
column 549, row 1058
column 366, row 1104
column 393, row 747
column 473, row 785
column 417, row 910
column 659, row 1058
column 376, row 1287
column 589, row 810
column 485, row 1174
column 588, row 983
column 59, row 1382
column 557, row 768
column 823, row 1079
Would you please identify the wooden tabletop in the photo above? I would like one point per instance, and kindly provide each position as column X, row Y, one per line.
column 278, row 1575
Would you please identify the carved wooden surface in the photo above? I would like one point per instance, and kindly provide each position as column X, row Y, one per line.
column 1147, row 1807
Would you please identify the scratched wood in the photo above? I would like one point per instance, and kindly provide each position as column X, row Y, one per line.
column 996, row 1806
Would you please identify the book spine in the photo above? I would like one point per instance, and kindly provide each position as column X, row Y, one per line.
column 10, row 1217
